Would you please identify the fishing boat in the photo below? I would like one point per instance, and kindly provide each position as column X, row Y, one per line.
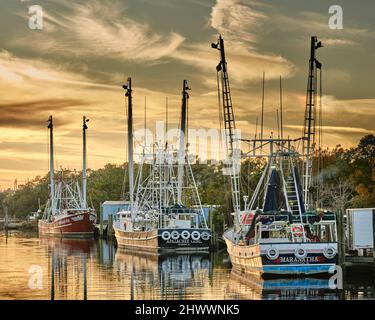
column 165, row 212
column 67, row 213
column 278, row 231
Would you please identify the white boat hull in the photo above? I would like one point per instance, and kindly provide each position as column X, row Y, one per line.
column 253, row 259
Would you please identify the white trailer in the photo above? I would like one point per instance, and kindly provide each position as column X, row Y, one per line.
column 359, row 229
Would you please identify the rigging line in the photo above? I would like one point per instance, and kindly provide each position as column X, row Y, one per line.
column 306, row 110
column 278, row 123
column 48, row 149
column 166, row 122
column 220, row 118
column 145, row 122
column 126, row 156
column 320, row 140
column 262, row 119
column 187, row 122
column 321, row 115
column 219, row 80
column 281, row 110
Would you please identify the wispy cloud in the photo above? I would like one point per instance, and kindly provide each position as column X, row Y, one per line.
column 337, row 129
column 101, row 28
column 32, row 114
column 236, row 20
column 31, row 72
column 337, row 42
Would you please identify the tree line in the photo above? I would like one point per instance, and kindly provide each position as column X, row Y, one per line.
column 347, row 179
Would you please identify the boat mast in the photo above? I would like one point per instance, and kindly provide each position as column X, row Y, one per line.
column 310, row 120
column 128, row 88
column 229, row 125
column 181, row 162
column 84, row 165
column 51, row 166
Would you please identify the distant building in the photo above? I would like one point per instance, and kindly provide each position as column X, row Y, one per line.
column 112, row 207
column 207, row 210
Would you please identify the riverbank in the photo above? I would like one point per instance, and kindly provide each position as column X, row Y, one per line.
column 19, row 225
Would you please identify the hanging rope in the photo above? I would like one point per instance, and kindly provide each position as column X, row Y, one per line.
column 123, row 191
column 320, row 138
column 220, row 117
column 221, row 132
column 187, row 122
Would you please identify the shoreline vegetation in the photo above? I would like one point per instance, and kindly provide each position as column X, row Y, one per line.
column 347, row 179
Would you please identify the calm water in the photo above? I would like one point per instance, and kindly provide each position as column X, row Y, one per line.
column 96, row 270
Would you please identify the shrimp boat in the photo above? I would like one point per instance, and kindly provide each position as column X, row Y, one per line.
column 66, row 213
column 165, row 212
column 277, row 232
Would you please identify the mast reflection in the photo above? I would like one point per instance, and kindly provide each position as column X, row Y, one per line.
column 155, row 276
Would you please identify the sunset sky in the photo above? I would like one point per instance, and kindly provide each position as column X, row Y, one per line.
column 76, row 65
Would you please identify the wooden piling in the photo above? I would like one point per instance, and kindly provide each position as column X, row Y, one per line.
column 101, row 220
column 341, row 237
column 6, row 220
column 110, row 226
column 53, row 277
column 84, row 278
column 210, row 218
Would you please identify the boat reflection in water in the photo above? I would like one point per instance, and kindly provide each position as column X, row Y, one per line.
column 68, row 266
column 155, row 276
column 253, row 287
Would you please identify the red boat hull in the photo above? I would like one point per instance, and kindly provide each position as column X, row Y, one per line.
column 76, row 225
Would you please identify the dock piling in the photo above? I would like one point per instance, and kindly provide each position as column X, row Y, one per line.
column 101, row 220
column 341, row 237
column 6, row 220
column 84, row 277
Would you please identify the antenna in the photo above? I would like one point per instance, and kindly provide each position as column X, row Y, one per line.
column 262, row 117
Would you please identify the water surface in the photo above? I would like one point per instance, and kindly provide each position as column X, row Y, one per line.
column 51, row 268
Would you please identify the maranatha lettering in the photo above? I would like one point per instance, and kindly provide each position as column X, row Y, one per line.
column 298, row 260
